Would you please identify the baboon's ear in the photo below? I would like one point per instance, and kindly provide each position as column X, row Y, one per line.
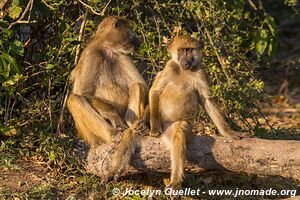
column 177, row 31
column 166, row 41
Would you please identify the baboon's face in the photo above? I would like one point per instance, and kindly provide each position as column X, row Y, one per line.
column 188, row 58
column 185, row 51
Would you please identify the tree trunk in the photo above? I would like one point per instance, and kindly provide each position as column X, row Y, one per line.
column 250, row 155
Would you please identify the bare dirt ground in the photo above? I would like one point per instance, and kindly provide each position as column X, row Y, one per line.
column 284, row 117
column 22, row 176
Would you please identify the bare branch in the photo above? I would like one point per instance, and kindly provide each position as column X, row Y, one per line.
column 81, row 32
column 93, row 11
column 21, row 19
column 47, row 5
column 3, row 4
column 220, row 59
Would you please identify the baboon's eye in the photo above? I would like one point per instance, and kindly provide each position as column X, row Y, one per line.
column 180, row 50
column 190, row 50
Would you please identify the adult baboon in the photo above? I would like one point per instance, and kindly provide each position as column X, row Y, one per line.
column 109, row 94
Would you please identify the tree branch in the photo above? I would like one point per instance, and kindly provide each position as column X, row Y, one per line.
column 93, row 11
column 250, row 155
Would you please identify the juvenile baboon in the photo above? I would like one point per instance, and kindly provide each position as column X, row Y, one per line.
column 109, row 94
column 174, row 99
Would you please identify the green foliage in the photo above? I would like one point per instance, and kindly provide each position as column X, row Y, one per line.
column 38, row 53
column 11, row 50
column 15, row 11
column 37, row 57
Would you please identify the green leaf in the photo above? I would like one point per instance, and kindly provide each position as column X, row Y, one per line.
column 272, row 46
column 271, row 24
column 49, row 66
column 16, row 2
column 52, row 156
column 15, row 65
column 15, row 11
column 17, row 47
column 261, row 42
column 75, row 42
column 4, row 25
column 8, row 131
column 8, row 64
column 8, row 83
column 12, row 81
column 136, row 197
column 4, row 65
column 239, row 6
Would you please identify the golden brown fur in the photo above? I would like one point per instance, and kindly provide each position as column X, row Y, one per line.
column 109, row 94
column 177, row 92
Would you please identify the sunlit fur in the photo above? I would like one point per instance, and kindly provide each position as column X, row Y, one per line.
column 115, row 32
column 109, row 94
column 185, row 42
column 176, row 95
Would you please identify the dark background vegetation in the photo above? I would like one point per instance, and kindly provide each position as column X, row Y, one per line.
column 251, row 53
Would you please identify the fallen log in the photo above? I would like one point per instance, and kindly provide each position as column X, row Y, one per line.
column 250, row 155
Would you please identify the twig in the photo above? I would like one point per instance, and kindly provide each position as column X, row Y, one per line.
column 3, row 3
column 44, row 2
column 62, row 111
column 20, row 20
column 66, row 89
column 92, row 9
column 50, row 105
column 26, row 10
column 81, row 32
column 30, row 10
column 89, row 7
column 162, row 18
column 7, row 104
column 220, row 59
column 252, row 4
column 103, row 11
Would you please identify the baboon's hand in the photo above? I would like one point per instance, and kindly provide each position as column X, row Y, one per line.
column 121, row 126
column 154, row 133
column 140, row 127
column 119, row 129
